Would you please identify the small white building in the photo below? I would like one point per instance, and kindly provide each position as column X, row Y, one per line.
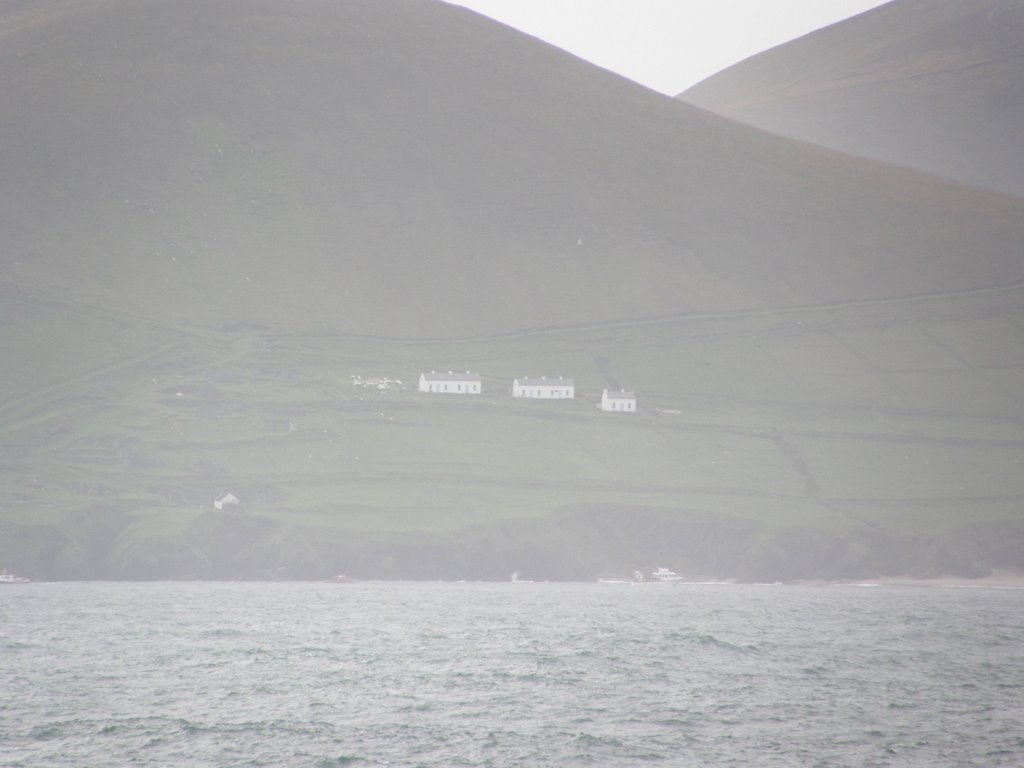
column 452, row 382
column 544, row 388
column 618, row 400
column 225, row 500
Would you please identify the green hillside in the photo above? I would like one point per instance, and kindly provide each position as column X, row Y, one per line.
column 409, row 169
column 843, row 442
column 936, row 85
column 235, row 233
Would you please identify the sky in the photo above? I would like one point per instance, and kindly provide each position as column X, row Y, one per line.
column 667, row 45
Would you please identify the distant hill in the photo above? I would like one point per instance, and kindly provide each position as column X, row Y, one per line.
column 412, row 169
column 236, row 231
column 936, row 85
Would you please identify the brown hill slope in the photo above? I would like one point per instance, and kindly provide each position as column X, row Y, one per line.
column 936, row 85
column 411, row 169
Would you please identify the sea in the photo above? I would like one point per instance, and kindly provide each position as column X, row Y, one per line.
column 514, row 674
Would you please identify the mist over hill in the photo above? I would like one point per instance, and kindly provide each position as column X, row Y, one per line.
column 411, row 169
column 936, row 85
column 235, row 232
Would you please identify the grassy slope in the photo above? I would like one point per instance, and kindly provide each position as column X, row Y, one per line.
column 197, row 233
column 843, row 442
column 410, row 169
column 936, row 85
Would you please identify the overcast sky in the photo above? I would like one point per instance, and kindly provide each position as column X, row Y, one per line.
column 667, row 45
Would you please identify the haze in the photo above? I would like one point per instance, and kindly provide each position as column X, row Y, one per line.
column 224, row 273
column 461, row 402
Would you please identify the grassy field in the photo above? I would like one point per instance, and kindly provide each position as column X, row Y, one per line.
column 220, row 296
column 822, row 442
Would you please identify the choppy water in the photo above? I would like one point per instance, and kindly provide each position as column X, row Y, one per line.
column 509, row 674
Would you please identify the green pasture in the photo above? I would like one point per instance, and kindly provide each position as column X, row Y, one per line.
column 817, row 421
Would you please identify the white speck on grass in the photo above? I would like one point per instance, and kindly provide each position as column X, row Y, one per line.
column 381, row 383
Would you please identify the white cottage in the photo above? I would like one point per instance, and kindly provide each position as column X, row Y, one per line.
column 225, row 500
column 544, row 388
column 618, row 400
column 452, row 382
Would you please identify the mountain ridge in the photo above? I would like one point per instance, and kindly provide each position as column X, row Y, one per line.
column 187, row 167
column 228, row 222
column 935, row 85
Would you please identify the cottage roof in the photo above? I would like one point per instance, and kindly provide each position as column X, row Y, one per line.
column 451, row 376
column 620, row 394
column 544, row 382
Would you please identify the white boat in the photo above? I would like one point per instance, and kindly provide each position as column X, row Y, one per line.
column 664, row 574
column 10, row 578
